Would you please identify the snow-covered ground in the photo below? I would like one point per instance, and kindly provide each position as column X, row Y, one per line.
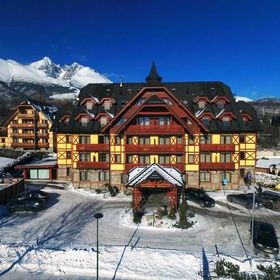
column 61, row 240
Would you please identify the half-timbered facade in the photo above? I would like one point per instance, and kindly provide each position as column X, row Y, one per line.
column 28, row 128
column 195, row 127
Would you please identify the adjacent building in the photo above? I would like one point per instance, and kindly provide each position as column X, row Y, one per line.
column 194, row 128
column 28, row 128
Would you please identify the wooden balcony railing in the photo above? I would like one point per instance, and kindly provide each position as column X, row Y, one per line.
column 43, row 135
column 93, row 165
column 23, row 145
column 216, row 166
column 93, row 147
column 139, row 149
column 217, row 147
column 25, row 116
column 23, row 135
column 155, row 129
column 22, row 125
column 43, row 145
column 42, row 125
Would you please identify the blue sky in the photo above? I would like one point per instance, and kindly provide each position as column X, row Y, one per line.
column 236, row 42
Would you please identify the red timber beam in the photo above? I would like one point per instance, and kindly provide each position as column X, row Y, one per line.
column 172, row 196
column 136, row 199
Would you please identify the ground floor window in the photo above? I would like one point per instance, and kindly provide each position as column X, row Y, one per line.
column 225, row 176
column 104, row 176
column 205, row 176
column 84, row 176
column 69, row 171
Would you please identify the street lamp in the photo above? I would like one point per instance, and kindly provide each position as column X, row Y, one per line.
column 97, row 216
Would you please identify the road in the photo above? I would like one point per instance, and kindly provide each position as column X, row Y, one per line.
column 68, row 223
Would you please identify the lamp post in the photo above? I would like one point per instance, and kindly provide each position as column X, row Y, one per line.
column 97, row 216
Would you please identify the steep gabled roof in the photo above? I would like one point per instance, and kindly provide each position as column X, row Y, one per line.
column 140, row 174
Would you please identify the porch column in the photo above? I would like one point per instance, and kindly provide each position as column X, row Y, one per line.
column 172, row 197
column 136, row 199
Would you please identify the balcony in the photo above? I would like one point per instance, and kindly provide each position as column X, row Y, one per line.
column 23, row 135
column 23, row 145
column 43, row 145
column 42, row 125
column 155, row 130
column 179, row 166
column 25, row 116
column 216, row 166
column 92, row 165
column 168, row 149
column 217, row 147
column 93, row 147
column 22, row 125
column 43, row 135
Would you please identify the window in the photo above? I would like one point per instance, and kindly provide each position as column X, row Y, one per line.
column 104, row 176
column 144, row 120
column 205, row 139
column 69, row 171
column 201, row 104
column 221, row 104
column 129, row 159
column 164, row 120
column 107, row 104
column 164, row 159
column 15, row 131
column 205, row 176
column 242, row 155
column 84, row 139
column 84, row 176
column 15, row 140
column 226, row 139
column 205, row 120
column 144, row 140
column 117, row 158
column 144, row 159
column 44, row 140
column 191, row 159
column 242, row 138
column 103, row 121
column 103, row 139
column 205, row 157
column 68, row 139
column 226, row 121
column 179, row 159
column 225, row 175
column 68, row 155
column 118, row 140
column 84, row 121
column 129, row 140
column 179, row 140
column 164, row 140
column 103, row 157
column 225, row 157
column 2, row 140
column 44, row 121
column 191, row 140
column 84, row 156
column 89, row 105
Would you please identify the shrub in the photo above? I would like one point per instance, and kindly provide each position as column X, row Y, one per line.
column 137, row 216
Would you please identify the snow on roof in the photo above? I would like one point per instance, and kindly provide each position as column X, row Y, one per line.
column 198, row 113
column 49, row 161
column 267, row 162
column 95, row 99
column 110, row 115
column 220, row 113
column 140, row 174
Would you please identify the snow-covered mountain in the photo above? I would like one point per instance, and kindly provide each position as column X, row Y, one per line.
column 243, row 98
column 46, row 72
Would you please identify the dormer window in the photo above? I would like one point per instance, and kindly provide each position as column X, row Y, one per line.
column 246, row 118
column 84, row 120
column 206, row 120
column 201, row 104
column 89, row 105
column 65, row 119
column 220, row 104
column 107, row 105
column 226, row 121
column 103, row 121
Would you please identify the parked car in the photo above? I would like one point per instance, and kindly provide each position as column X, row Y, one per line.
column 28, row 201
column 264, row 237
column 245, row 200
column 270, row 200
column 199, row 196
